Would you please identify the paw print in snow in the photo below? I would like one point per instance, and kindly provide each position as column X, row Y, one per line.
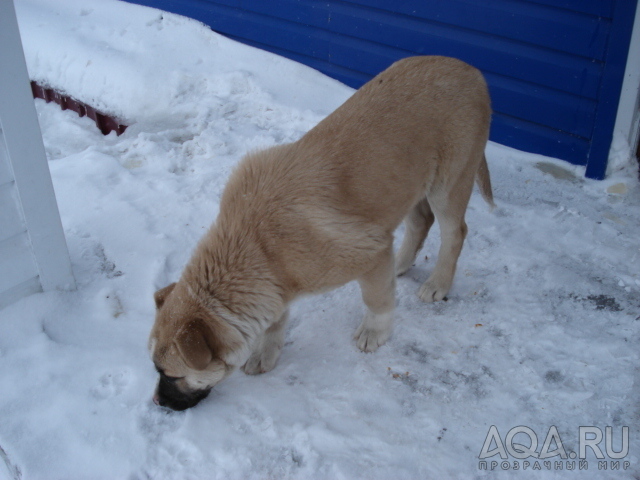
column 111, row 385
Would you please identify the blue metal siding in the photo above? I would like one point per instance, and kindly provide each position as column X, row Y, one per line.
column 611, row 86
column 554, row 68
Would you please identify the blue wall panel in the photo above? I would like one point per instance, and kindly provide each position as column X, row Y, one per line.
column 554, row 67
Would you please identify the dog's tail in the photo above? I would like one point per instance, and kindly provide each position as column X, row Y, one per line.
column 483, row 180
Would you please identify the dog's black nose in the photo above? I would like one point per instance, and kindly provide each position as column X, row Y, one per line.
column 169, row 395
column 180, row 404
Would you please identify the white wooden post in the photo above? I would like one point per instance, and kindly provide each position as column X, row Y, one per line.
column 628, row 118
column 26, row 182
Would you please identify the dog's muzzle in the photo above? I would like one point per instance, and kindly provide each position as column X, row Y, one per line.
column 168, row 395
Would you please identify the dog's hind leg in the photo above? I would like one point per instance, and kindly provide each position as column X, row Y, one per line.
column 417, row 223
column 378, row 292
column 449, row 208
column 268, row 348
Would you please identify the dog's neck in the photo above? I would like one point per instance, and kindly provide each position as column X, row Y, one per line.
column 230, row 276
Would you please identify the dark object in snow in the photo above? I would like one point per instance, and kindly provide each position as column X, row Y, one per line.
column 601, row 302
column 104, row 122
column 604, row 302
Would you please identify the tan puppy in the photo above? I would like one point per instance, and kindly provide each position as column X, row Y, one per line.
column 315, row 214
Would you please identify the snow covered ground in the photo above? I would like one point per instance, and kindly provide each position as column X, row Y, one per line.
column 541, row 328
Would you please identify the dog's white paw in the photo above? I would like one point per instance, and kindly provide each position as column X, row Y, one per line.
column 263, row 361
column 433, row 291
column 368, row 338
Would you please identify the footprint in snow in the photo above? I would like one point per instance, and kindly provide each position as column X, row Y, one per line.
column 171, row 458
column 111, row 385
column 155, row 422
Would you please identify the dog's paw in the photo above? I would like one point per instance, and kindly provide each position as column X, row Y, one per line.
column 433, row 291
column 403, row 267
column 262, row 362
column 404, row 261
column 369, row 340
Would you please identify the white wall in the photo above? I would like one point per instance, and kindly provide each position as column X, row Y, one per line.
column 628, row 117
column 33, row 251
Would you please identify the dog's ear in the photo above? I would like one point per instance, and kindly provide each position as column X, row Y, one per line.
column 193, row 342
column 161, row 295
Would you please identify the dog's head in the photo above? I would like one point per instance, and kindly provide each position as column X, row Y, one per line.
column 188, row 346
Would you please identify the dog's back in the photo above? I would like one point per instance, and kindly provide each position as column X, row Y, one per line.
column 327, row 204
column 412, row 127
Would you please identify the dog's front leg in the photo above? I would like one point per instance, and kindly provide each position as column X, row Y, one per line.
column 268, row 348
column 378, row 292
